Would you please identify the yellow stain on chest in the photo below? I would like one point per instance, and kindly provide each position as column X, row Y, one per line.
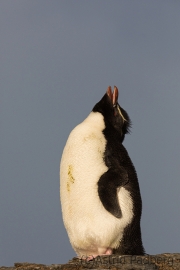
column 71, row 179
column 92, row 136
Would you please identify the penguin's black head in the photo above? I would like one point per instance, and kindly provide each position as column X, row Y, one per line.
column 115, row 117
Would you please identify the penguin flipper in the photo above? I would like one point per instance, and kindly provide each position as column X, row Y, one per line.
column 108, row 185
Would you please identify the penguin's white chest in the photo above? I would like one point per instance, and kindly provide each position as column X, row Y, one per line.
column 88, row 223
column 81, row 166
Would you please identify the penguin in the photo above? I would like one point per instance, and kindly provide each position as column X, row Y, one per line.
column 99, row 191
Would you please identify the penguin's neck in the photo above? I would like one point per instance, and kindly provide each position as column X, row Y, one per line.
column 95, row 119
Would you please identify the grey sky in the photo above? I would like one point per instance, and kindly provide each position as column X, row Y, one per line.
column 56, row 60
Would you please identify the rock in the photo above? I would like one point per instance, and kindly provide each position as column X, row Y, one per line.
column 166, row 261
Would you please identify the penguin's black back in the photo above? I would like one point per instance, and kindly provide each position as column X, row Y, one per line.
column 121, row 173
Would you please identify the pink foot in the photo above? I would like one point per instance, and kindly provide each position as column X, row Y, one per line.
column 108, row 251
column 89, row 257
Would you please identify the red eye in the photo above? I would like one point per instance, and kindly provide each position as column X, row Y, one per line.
column 115, row 112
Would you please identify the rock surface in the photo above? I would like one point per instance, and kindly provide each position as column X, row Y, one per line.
column 166, row 261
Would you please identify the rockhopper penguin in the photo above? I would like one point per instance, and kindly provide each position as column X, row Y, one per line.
column 99, row 190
